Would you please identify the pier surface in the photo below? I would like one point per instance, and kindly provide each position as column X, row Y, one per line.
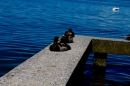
column 47, row 68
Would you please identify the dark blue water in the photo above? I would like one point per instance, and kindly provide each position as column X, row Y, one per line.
column 27, row 26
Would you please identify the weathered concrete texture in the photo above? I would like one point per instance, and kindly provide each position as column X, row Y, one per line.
column 47, row 68
column 111, row 46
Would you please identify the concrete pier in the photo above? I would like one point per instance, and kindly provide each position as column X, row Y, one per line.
column 48, row 68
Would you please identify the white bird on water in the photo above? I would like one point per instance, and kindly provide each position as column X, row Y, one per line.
column 115, row 9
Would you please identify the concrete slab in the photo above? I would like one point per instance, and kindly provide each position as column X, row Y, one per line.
column 47, row 68
column 111, row 46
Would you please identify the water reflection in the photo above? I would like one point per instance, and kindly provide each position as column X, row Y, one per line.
column 116, row 72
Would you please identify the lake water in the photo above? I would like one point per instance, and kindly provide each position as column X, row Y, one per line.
column 27, row 26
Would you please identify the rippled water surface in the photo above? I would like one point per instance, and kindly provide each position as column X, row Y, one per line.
column 27, row 26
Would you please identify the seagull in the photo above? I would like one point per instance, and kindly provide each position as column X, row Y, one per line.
column 115, row 9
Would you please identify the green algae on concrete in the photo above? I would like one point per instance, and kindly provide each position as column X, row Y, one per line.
column 99, row 69
column 111, row 46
